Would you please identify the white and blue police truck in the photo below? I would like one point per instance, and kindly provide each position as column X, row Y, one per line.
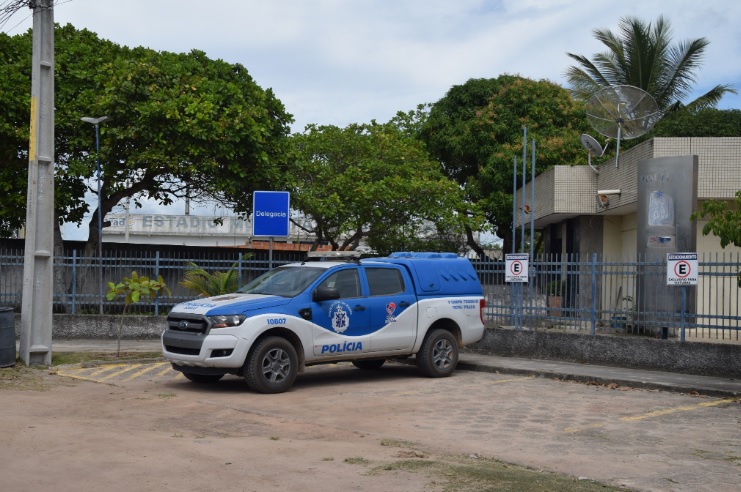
column 327, row 310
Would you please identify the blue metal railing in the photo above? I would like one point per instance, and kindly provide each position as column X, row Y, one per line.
column 585, row 294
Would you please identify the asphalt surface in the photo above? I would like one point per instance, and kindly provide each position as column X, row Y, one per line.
column 567, row 371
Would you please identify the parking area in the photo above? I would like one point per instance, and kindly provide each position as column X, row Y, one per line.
column 145, row 420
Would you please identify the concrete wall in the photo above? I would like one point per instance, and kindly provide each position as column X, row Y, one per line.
column 707, row 359
column 93, row 326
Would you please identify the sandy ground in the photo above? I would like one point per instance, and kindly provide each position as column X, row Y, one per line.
column 142, row 428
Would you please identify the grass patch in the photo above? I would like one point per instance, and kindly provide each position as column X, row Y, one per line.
column 357, row 460
column 22, row 378
column 37, row 377
column 457, row 474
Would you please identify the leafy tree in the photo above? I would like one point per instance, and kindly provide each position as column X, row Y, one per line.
column 15, row 73
column 705, row 123
column 133, row 289
column 641, row 55
column 476, row 131
column 375, row 182
column 724, row 221
column 180, row 123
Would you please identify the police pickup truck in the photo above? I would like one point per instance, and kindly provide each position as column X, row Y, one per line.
column 329, row 310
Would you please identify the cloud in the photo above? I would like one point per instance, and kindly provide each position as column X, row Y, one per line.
column 340, row 62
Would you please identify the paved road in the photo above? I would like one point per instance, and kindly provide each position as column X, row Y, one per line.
column 575, row 419
column 636, row 378
column 636, row 438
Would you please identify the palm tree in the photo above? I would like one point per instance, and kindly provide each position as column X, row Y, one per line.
column 207, row 284
column 641, row 56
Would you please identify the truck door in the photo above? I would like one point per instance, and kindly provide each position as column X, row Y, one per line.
column 342, row 325
column 393, row 308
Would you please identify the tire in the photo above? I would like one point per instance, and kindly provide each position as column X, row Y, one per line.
column 369, row 364
column 438, row 355
column 272, row 366
column 203, row 378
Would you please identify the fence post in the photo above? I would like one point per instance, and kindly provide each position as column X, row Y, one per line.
column 684, row 307
column 594, row 292
column 156, row 276
column 74, row 281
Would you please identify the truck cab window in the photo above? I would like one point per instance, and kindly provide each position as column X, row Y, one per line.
column 346, row 282
column 384, row 281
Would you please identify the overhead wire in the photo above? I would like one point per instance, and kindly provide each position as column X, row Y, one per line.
column 9, row 7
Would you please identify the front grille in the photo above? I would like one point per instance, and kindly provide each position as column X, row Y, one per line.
column 191, row 323
column 181, row 350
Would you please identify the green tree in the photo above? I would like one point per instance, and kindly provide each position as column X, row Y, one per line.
column 723, row 221
column 476, row 131
column 180, row 124
column 641, row 55
column 704, row 123
column 375, row 182
column 133, row 289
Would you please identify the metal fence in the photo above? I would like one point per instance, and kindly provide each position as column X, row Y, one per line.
column 77, row 283
column 585, row 294
column 592, row 294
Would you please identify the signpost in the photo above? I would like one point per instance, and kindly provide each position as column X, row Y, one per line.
column 682, row 270
column 516, row 272
column 270, row 216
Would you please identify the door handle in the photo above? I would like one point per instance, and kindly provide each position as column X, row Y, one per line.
column 359, row 308
column 404, row 304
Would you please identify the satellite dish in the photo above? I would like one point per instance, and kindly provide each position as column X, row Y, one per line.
column 622, row 111
column 593, row 148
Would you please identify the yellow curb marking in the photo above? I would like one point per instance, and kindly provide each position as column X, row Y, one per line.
column 118, row 370
column 657, row 413
column 668, row 411
column 166, row 370
column 118, row 373
column 104, row 368
column 146, row 369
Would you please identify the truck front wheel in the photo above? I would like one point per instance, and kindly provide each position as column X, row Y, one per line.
column 438, row 355
column 271, row 366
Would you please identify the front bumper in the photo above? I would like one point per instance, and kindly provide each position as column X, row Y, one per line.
column 200, row 350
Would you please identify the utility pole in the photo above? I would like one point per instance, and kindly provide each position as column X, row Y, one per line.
column 38, row 268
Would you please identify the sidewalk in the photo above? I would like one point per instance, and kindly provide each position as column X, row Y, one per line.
column 567, row 371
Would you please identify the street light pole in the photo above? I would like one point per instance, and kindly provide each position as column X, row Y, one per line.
column 96, row 123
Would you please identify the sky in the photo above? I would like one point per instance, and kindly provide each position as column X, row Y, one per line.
column 338, row 62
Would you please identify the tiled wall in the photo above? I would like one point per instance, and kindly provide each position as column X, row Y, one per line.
column 572, row 189
column 719, row 172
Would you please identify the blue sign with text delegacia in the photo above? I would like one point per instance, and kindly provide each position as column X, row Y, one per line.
column 270, row 216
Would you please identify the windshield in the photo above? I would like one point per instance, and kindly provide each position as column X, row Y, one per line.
column 283, row 281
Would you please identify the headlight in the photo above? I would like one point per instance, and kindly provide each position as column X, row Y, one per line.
column 226, row 320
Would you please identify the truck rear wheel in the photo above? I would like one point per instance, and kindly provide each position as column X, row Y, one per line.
column 438, row 355
column 271, row 366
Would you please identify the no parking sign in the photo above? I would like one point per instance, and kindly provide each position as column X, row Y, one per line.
column 517, row 268
column 681, row 269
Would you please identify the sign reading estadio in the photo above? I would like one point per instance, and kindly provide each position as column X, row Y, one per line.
column 270, row 216
column 681, row 269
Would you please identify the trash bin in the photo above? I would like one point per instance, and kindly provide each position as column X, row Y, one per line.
column 7, row 337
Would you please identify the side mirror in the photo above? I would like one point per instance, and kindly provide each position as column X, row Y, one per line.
column 325, row 294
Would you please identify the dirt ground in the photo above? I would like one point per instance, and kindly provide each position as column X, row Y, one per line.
column 341, row 429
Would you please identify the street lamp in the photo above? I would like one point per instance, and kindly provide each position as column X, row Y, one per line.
column 96, row 123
